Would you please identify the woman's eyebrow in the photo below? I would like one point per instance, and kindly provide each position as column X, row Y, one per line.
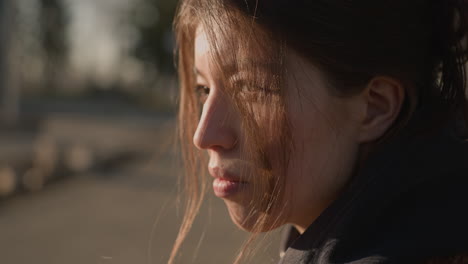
column 233, row 68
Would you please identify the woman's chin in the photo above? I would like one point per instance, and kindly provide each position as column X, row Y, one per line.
column 245, row 218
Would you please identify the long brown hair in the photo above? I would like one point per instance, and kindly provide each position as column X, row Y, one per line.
column 422, row 43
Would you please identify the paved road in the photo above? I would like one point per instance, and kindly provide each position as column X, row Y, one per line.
column 127, row 216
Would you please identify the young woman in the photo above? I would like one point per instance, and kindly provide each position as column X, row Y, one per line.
column 343, row 119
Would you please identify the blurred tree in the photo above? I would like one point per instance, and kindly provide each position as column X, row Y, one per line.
column 154, row 21
column 9, row 86
column 54, row 22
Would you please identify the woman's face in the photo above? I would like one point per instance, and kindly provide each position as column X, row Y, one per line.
column 324, row 146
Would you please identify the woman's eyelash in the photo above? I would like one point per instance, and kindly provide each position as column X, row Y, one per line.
column 202, row 89
column 252, row 89
column 202, row 92
column 245, row 90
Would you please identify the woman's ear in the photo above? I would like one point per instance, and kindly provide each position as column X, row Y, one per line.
column 382, row 101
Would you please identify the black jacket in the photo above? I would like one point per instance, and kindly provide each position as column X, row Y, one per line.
column 408, row 203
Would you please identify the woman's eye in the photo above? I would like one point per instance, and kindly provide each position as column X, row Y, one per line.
column 247, row 89
column 202, row 89
column 202, row 92
column 251, row 93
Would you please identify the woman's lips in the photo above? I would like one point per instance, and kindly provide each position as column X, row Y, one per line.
column 225, row 184
column 224, row 188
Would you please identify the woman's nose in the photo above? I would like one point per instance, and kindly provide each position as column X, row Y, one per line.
column 217, row 126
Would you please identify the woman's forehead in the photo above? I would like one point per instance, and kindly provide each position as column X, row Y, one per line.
column 202, row 45
column 230, row 61
column 248, row 61
column 234, row 46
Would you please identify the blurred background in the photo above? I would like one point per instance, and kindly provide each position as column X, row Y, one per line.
column 88, row 168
